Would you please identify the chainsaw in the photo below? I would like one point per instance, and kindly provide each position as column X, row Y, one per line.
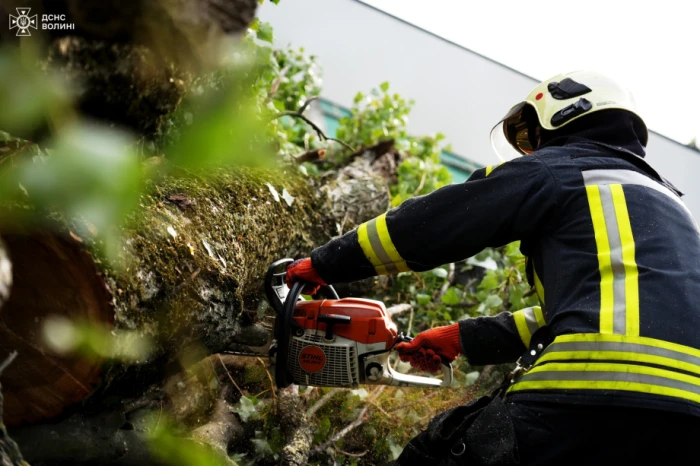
column 333, row 342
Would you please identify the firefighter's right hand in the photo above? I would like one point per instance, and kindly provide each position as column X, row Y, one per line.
column 427, row 351
column 302, row 269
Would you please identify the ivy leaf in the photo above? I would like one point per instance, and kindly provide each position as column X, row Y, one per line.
column 246, row 409
column 451, row 297
column 384, row 86
column 265, row 32
column 422, row 298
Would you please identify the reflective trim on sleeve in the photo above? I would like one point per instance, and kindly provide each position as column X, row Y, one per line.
column 527, row 321
column 376, row 243
column 616, row 362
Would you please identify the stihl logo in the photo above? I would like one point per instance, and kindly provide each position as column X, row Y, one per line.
column 312, row 359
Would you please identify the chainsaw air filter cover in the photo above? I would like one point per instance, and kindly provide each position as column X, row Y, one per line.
column 331, row 334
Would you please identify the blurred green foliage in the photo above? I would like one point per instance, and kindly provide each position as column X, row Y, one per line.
column 383, row 115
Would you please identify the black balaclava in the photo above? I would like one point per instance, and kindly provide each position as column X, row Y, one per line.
column 613, row 127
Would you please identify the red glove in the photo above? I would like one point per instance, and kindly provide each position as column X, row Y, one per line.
column 302, row 269
column 426, row 350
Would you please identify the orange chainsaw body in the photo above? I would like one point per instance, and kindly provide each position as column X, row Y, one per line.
column 370, row 322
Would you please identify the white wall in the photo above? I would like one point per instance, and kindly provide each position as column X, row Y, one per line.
column 457, row 92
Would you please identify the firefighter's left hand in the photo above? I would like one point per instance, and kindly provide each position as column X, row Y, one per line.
column 429, row 348
column 303, row 269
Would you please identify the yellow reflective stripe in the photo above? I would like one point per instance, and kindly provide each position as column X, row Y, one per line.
column 628, row 253
column 491, row 168
column 376, row 243
column 539, row 315
column 363, row 239
column 538, row 285
column 522, row 327
column 606, row 273
column 527, row 321
column 604, row 385
column 619, row 356
column 389, row 247
column 596, row 337
column 583, row 367
column 619, row 377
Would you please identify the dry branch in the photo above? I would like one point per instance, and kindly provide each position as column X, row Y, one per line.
column 398, row 309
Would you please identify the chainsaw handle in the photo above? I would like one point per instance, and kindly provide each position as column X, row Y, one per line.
column 275, row 285
column 401, row 379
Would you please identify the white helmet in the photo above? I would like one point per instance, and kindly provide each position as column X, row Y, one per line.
column 555, row 103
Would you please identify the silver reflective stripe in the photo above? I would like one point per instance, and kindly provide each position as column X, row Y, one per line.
column 531, row 320
column 376, row 243
column 622, row 347
column 618, row 267
column 605, row 376
column 610, row 176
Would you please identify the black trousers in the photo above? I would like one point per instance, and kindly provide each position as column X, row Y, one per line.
column 553, row 434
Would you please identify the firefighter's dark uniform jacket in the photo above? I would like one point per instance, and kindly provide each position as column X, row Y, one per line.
column 613, row 253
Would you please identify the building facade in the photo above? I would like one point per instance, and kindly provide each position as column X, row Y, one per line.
column 457, row 91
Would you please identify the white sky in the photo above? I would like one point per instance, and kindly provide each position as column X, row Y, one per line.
column 651, row 47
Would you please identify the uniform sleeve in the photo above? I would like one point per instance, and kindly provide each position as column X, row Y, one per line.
column 495, row 206
column 499, row 339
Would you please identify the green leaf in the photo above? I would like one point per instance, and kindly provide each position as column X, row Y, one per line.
column 384, row 86
column 246, row 409
column 440, row 272
column 493, row 301
column 322, row 429
column 422, row 298
column 452, row 296
column 358, row 98
column 490, row 282
column 275, row 1
column 265, row 32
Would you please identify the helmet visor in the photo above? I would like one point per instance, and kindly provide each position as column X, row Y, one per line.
column 511, row 137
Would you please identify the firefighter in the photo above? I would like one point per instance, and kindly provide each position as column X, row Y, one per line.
column 610, row 367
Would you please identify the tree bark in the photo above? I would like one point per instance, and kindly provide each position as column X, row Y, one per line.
column 189, row 279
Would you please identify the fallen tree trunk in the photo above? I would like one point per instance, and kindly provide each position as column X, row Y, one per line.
column 190, row 281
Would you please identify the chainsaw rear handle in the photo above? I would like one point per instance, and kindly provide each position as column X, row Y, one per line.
column 423, row 381
column 401, row 379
